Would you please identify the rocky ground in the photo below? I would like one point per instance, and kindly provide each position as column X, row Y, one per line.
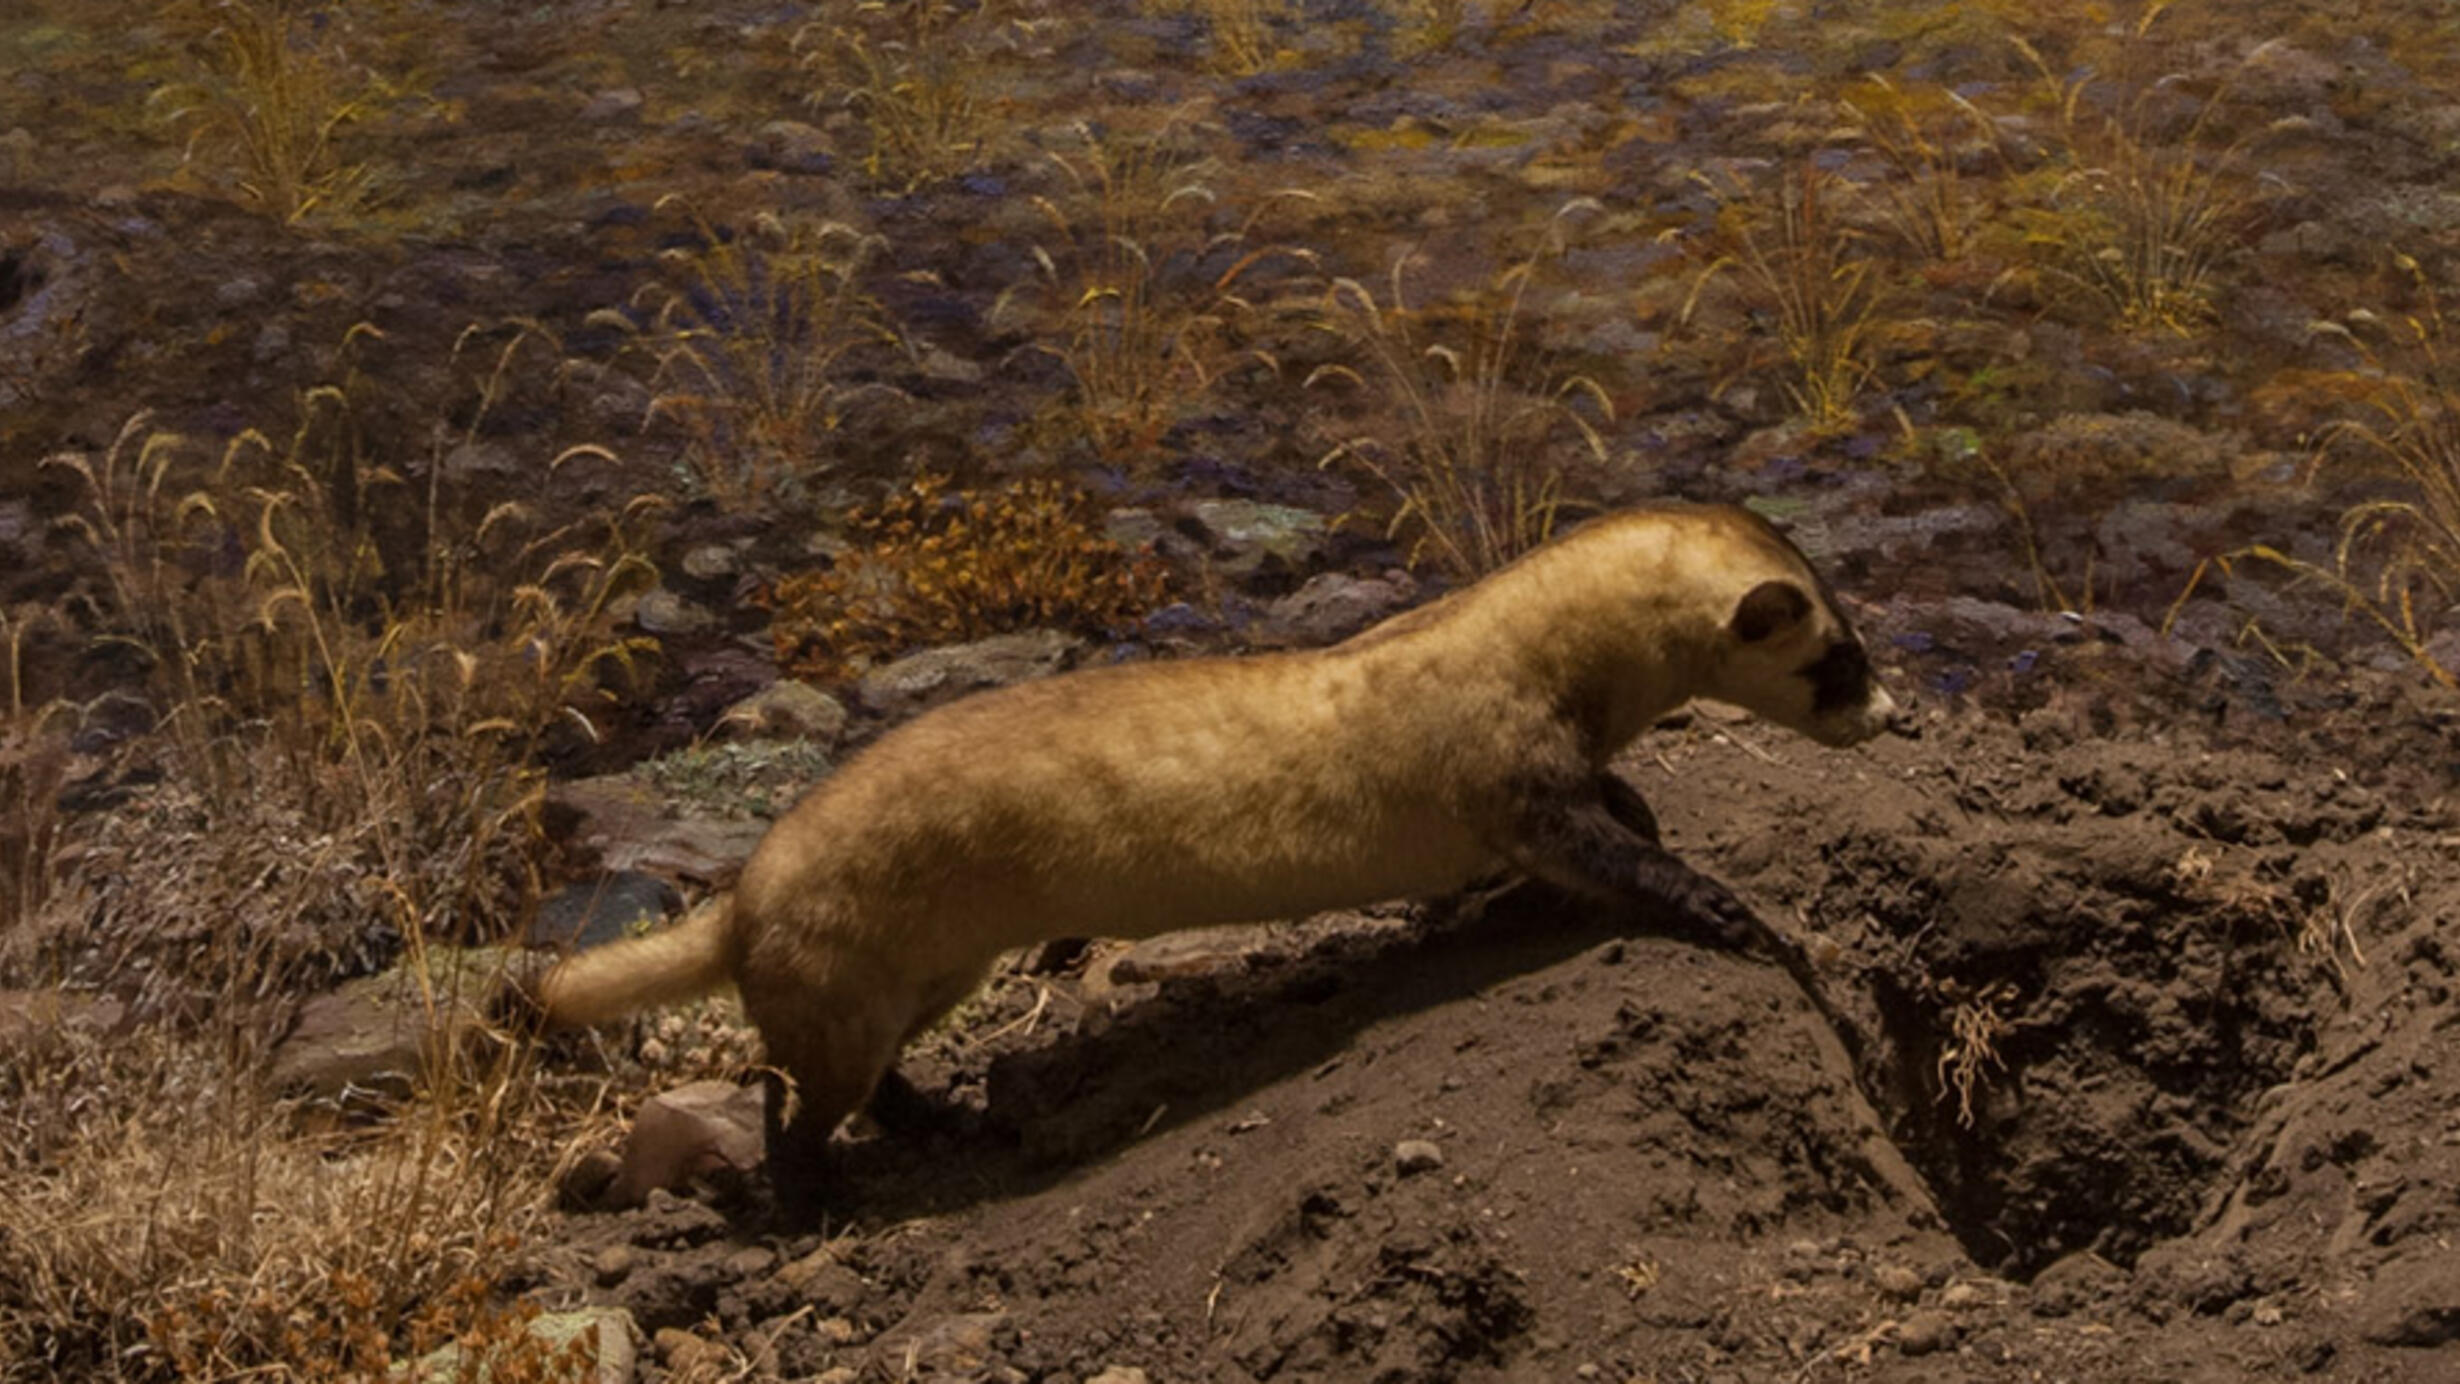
column 2135, row 967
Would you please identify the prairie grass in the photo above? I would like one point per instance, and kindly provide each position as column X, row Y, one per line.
column 751, row 333
column 275, row 105
column 1473, row 458
column 2140, row 206
column 917, row 72
column 1921, row 133
column 1244, row 33
column 344, row 768
column 1141, row 322
column 2395, row 559
column 1815, row 280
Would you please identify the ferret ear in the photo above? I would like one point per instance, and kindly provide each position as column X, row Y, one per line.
column 1771, row 608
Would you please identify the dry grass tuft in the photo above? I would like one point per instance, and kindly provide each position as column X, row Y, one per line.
column 1477, row 470
column 1815, row 280
column 275, row 103
column 1976, row 1024
column 752, row 335
column 345, row 675
column 919, row 73
column 1144, row 320
column 2139, row 207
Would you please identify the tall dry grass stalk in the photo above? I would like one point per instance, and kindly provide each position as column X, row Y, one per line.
column 1474, row 458
column 345, row 765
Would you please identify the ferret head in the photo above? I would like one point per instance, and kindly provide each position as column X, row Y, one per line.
column 1786, row 651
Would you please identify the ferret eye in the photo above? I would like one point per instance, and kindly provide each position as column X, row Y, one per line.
column 1839, row 678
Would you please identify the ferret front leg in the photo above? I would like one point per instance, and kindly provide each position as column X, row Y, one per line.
column 1594, row 842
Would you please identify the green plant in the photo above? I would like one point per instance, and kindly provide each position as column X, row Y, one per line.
column 2137, row 214
column 751, row 333
column 1814, row 278
column 932, row 566
column 277, row 103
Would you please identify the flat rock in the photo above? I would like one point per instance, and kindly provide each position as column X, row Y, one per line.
column 595, row 912
column 788, row 708
column 694, row 1131
column 1250, row 539
column 386, row 1034
column 613, row 1352
column 1331, row 607
column 627, row 825
column 920, row 681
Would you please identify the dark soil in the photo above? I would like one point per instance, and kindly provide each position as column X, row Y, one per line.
column 2215, row 1140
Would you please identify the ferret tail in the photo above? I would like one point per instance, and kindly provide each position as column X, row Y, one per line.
column 675, row 963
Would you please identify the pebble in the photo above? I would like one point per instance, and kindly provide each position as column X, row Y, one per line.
column 614, row 1264
column 1965, row 1296
column 1897, row 1281
column 1417, row 1156
column 1925, row 1332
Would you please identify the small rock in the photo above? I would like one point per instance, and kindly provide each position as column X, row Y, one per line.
column 819, row 1279
column 790, row 146
column 713, row 561
column 621, row 103
column 626, row 825
column 919, row 681
column 1925, row 1332
column 1967, row 1295
column 1416, row 1156
column 1897, row 1281
column 1119, row 1374
column 684, row 1353
column 693, row 1131
column 2072, row 1282
column 614, row 1264
column 1250, row 539
column 1184, row 955
column 595, row 912
column 1331, row 607
column 383, row 1034
column 662, row 612
column 751, row 1261
column 788, row 707
column 958, row 1345
column 839, row 1374
column 1133, row 529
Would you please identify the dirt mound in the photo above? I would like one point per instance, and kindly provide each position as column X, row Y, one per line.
column 2137, row 1078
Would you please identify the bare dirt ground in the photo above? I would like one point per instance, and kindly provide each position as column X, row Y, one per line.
column 2205, row 977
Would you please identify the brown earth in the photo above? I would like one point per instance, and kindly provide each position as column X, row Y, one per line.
column 2215, row 1138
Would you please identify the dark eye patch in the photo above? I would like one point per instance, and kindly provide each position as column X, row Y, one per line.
column 1840, row 678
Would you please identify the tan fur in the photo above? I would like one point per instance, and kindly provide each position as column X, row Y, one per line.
column 1127, row 801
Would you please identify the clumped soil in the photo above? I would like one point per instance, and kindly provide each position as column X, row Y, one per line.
column 2212, row 1136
